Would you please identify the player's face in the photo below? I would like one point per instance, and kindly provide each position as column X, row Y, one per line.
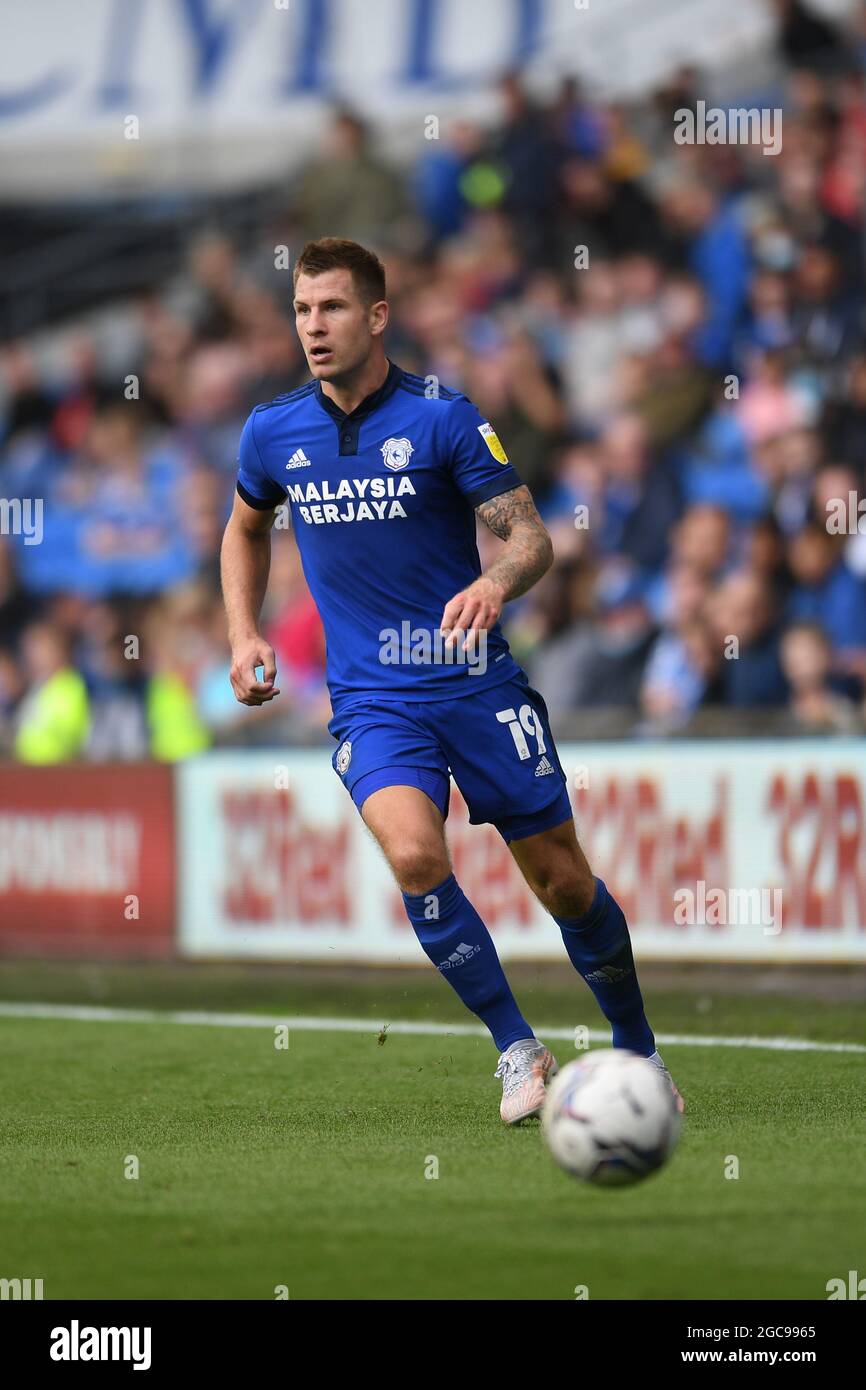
column 335, row 326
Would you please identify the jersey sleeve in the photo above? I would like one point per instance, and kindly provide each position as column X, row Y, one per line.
column 478, row 463
column 254, row 485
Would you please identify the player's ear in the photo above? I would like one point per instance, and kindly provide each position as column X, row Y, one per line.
column 378, row 316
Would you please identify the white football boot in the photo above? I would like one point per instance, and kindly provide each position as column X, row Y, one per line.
column 657, row 1062
column 525, row 1068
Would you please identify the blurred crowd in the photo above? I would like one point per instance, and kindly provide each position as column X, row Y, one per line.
column 669, row 339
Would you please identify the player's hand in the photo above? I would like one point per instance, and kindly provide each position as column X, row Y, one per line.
column 245, row 658
column 475, row 609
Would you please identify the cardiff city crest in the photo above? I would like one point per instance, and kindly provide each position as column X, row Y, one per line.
column 397, row 453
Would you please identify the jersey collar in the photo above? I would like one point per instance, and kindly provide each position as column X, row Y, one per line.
column 375, row 398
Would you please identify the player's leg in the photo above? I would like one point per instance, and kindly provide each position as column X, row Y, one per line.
column 409, row 825
column 593, row 928
column 504, row 760
column 594, row 931
column 410, row 830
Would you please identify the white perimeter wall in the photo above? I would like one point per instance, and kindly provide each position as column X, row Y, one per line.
column 275, row 863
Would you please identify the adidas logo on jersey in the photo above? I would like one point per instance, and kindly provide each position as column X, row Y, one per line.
column 457, row 957
column 544, row 768
column 298, row 460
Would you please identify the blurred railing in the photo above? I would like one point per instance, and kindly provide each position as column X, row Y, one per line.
column 580, row 727
column 62, row 260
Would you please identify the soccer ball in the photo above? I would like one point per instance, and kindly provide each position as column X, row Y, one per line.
column 610, row 1118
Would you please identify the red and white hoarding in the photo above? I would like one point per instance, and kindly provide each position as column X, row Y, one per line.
column 752, row 850
column 87, row 861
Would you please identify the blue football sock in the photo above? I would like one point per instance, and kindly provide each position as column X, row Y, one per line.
column 460, row 946
column 599, row 948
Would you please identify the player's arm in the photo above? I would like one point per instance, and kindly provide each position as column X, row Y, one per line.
column 527, row 555
column 245, row 561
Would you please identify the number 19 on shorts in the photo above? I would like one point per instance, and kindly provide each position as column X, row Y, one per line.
column 524, row 722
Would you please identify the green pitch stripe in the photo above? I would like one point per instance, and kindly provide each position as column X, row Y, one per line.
column 87, row 1013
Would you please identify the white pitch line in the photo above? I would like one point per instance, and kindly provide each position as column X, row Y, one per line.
column 94, row 1013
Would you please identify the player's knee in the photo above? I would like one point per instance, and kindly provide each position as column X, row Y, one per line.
column 565, row 891
column 419, row 865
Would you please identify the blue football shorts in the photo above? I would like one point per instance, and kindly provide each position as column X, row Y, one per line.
column 495, row 743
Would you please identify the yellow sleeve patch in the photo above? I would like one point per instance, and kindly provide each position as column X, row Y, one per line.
column 491, row 439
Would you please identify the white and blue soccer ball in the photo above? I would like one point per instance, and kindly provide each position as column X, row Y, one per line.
column 610, row 1118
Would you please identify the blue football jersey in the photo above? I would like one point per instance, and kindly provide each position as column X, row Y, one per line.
column 382, row 504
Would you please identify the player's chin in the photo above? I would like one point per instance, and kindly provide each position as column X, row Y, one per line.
column 323, row 367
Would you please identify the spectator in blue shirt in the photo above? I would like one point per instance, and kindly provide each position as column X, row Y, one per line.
column 825, row 591
column 747, row 638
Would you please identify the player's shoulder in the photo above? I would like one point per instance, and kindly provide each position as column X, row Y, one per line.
column 269, row 413
column 443, row 407
column 289, row 400
column 430, row 389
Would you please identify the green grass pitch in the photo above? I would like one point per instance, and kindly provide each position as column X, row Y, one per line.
column 305, row 1167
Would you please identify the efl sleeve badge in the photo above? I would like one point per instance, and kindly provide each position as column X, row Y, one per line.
column 491, row 439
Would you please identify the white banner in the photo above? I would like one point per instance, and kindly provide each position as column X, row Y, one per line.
column 150, row 94
column 749, row 851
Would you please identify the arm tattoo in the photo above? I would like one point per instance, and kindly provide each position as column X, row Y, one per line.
column 528, row 553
